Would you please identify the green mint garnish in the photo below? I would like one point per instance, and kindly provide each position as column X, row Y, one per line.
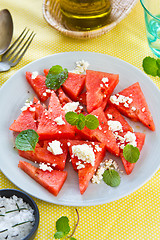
column 27, row 140
column 111, row 177
column 63, row 228
column 80, row 121
column 151, row 66
column 131, row 153
column 56, row 77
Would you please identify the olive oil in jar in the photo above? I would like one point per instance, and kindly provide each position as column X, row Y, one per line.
column 85, row 14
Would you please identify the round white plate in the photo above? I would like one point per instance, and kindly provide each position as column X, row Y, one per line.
column 13, row 95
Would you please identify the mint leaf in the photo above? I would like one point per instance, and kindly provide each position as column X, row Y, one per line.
column 72, row 118
column 81, row 121
column 91, row 122
column 26, row 140
column 131, row 153
column 59, row 235
column 158, row 72
column 111, row 177
column 56, row 77
column 72, row 238
column 62, row 225
column 158, row 62
column 150, row 66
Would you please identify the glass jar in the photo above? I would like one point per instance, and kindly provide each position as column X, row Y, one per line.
column 85, row 14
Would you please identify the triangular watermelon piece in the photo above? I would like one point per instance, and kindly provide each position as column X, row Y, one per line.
column 112, row 114
column 140, row 139
column 102, row 133
column 131, row 102
column 85, row 174
column 100, row 86
column 42, row 155
column 39, row 86
column 26, row 120
column 63, row 97
column 48, row 128
column 52, row 181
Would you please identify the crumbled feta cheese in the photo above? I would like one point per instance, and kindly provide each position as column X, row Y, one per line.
column 100, row 128
column 27, row 105
column 45, row 94
column 107, row 164
column 55, row 148
column 68, row 144
column 130, row 138
column 34, row 75
column 81, row 67
column 97, row 147
column 101, row 85
column 48, row 90
column 143, row 109
column 105, row 80
column 117, row 99
column 32, row 109
column 115, row 126
column 84, row 152
column 71, row 107
column 45, row 167
column 109, row 116
column 133, row 109
column 80, row 165
column 59, row 120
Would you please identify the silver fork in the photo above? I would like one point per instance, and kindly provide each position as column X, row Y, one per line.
column 17, row 50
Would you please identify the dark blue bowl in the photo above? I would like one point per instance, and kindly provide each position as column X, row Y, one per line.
column 9, row 193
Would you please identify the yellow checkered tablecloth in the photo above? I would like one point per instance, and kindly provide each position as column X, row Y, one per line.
column 135, row 216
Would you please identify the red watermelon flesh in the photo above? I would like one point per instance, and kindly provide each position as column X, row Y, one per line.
column 85, row 174
column 63, row 97
column 102, row 133
column 98, row 92
column 112, row 114
column 26, row 120
column 140, row 139
column 41, row 154
column 48, row 128
column 52, row 181
column 135, row 107
column 82, row 98
column 39, row 86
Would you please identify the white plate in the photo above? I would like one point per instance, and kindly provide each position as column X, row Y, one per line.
column 12, row 97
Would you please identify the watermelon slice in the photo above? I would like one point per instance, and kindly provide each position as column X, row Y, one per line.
column 63, row 97
column 39, row 86
column 102, row 133
column 131, row 102
column 48, row 128
column 52, row 181
column 140, row 139
column 85, row 174
column 100, row 86
column 41, row 154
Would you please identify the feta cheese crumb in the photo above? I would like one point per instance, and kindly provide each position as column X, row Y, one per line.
column 70, row 107
column 45, row 167
column 34, row 75
column 80, row 165
column 55, row 148
column 143, row 109
column 109, row 116
column 133, row 109
column 27, row 105
column 84, row 152
column 45, row 94
column 117, row 99
column 81, row 67
column 115, row 126
column 97, row 147
column 130, row 138
column 59, row 120
column 105, row 80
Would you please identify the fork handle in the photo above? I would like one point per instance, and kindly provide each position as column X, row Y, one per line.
column 4, row 66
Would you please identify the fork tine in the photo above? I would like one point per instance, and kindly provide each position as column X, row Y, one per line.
column 14, row 43
column 8, row 54
column 25, row 47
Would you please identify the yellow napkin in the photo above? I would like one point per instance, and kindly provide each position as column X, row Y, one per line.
column 136, row 216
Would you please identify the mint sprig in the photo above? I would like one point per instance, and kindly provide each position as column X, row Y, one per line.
column 26, row 140
column 63, row 228
column 131, row 153
column 151, row 66
column 111, row 177
column 80, row 121
column 56, row 77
